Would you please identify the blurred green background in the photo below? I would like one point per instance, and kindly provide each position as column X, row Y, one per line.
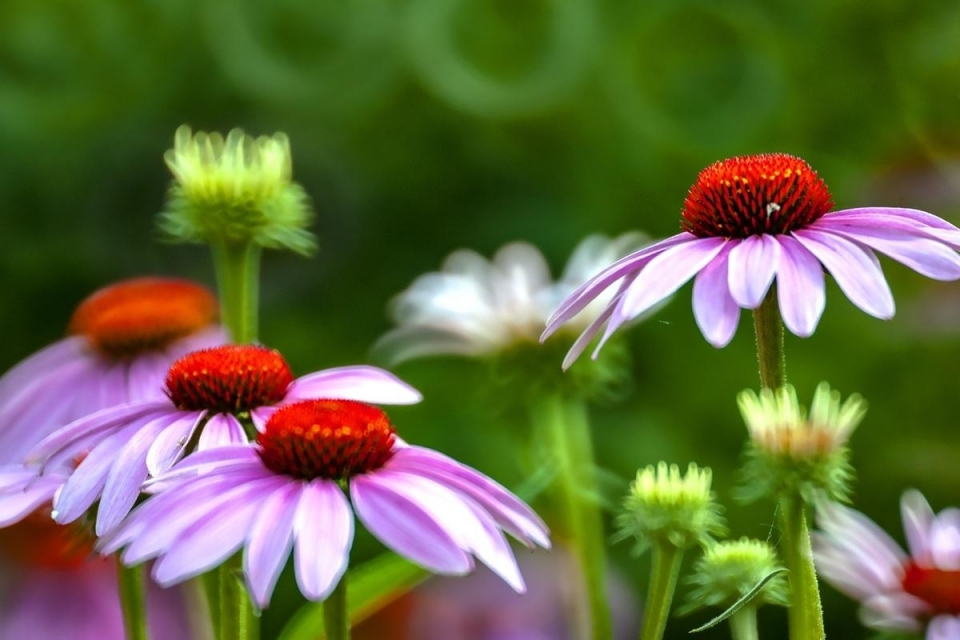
column 420, row 127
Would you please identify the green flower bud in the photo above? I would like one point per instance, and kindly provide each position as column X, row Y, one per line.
column 796, row 453
column 665, row 507
column 235, row 191
column 729, row 570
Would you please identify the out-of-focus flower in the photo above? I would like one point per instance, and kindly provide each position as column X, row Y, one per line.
column 749, row 220
column 288, row 492
column 52, row 587
column 793, row 451
column 207, row 394
column 899, row 591
column 728, row 570
column 236, row 190
column 482, row 607
column 665, row 506
column 476, row 307
column 122, row 340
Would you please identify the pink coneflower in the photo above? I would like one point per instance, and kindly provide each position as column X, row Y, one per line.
column 287, row 492
column 122, row 340
column 52, row 586
column 899, row 592
column 749, row 220
column 208, row 394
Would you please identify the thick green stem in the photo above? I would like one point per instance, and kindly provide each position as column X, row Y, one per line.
column 336, row 616
column 805, row 613
column 565, row 428
column 132, row 602
column 769, row 331
column 663, row 583
column 238, row 282
column 743, row 624
column 237, row 618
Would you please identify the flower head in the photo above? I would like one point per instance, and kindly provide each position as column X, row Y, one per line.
column 495, row 309
column 899, row 591
column 749, row 221
column 792, row 450
column 287, row 492
column 122, row 340
column 666, row 507
column 235, row 191
column 729, row 570
column 211, row 396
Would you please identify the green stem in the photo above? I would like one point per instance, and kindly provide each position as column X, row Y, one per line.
column 237, row 618
column 238, row 268
column 132, row 602
column 768, row 327
column 663, row 583
column 336, row 617
column 805, row 613
column 565, row 427
column 743, row 624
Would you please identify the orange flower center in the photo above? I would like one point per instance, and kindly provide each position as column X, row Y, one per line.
column 40, row 543
column 332, row 439
column 770, row 193
column 228, row 379
column 143, row 314
column 937, row 587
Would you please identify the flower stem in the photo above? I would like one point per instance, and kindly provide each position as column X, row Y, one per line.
column 132, row 601
column 336, row 617
column 663, row 583
column 743, row 624
column 805, row 613
column 564, row 426
column 237, row 618
column 769, row 330
column 238, row 282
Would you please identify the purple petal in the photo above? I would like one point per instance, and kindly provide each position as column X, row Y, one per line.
column 944, row 627
column 508, row 510
column 324, row 535
column 15, row 506
column 945, row 540
column 71, row 438
column 589, row 290
column 86, row 483
column 912, row 215
column 362, row 383
column 126, row 476
column 406, row 527
column 751, row 267
column 220, row 459
column 925, row 256
column 261, row 415
column 581, row 343
column 917, row 520
column 665, row 274
column 172, row 442
column 856, row 270
column 270, row 541
column 208, row 542
column 800, row 288
column 714, row 309
column 221, row 430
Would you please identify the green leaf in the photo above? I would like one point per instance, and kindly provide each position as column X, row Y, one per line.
column 739, row 604
column 372, row 586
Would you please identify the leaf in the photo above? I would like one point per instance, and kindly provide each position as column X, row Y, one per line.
column 372, row 586
column 739, row 604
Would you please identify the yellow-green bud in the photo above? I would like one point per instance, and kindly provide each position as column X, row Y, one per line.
column 729, row 570
column 666, row 507
column 235, row 191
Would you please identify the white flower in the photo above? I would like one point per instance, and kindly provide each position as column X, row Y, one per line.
column 474, row 306
column 899, row 592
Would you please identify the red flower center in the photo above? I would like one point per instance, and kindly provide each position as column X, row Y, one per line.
column 937, row 587
column 332, row 439
column 144, row 314
column 228, row 379
column 40, row 543
column 769, row 193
